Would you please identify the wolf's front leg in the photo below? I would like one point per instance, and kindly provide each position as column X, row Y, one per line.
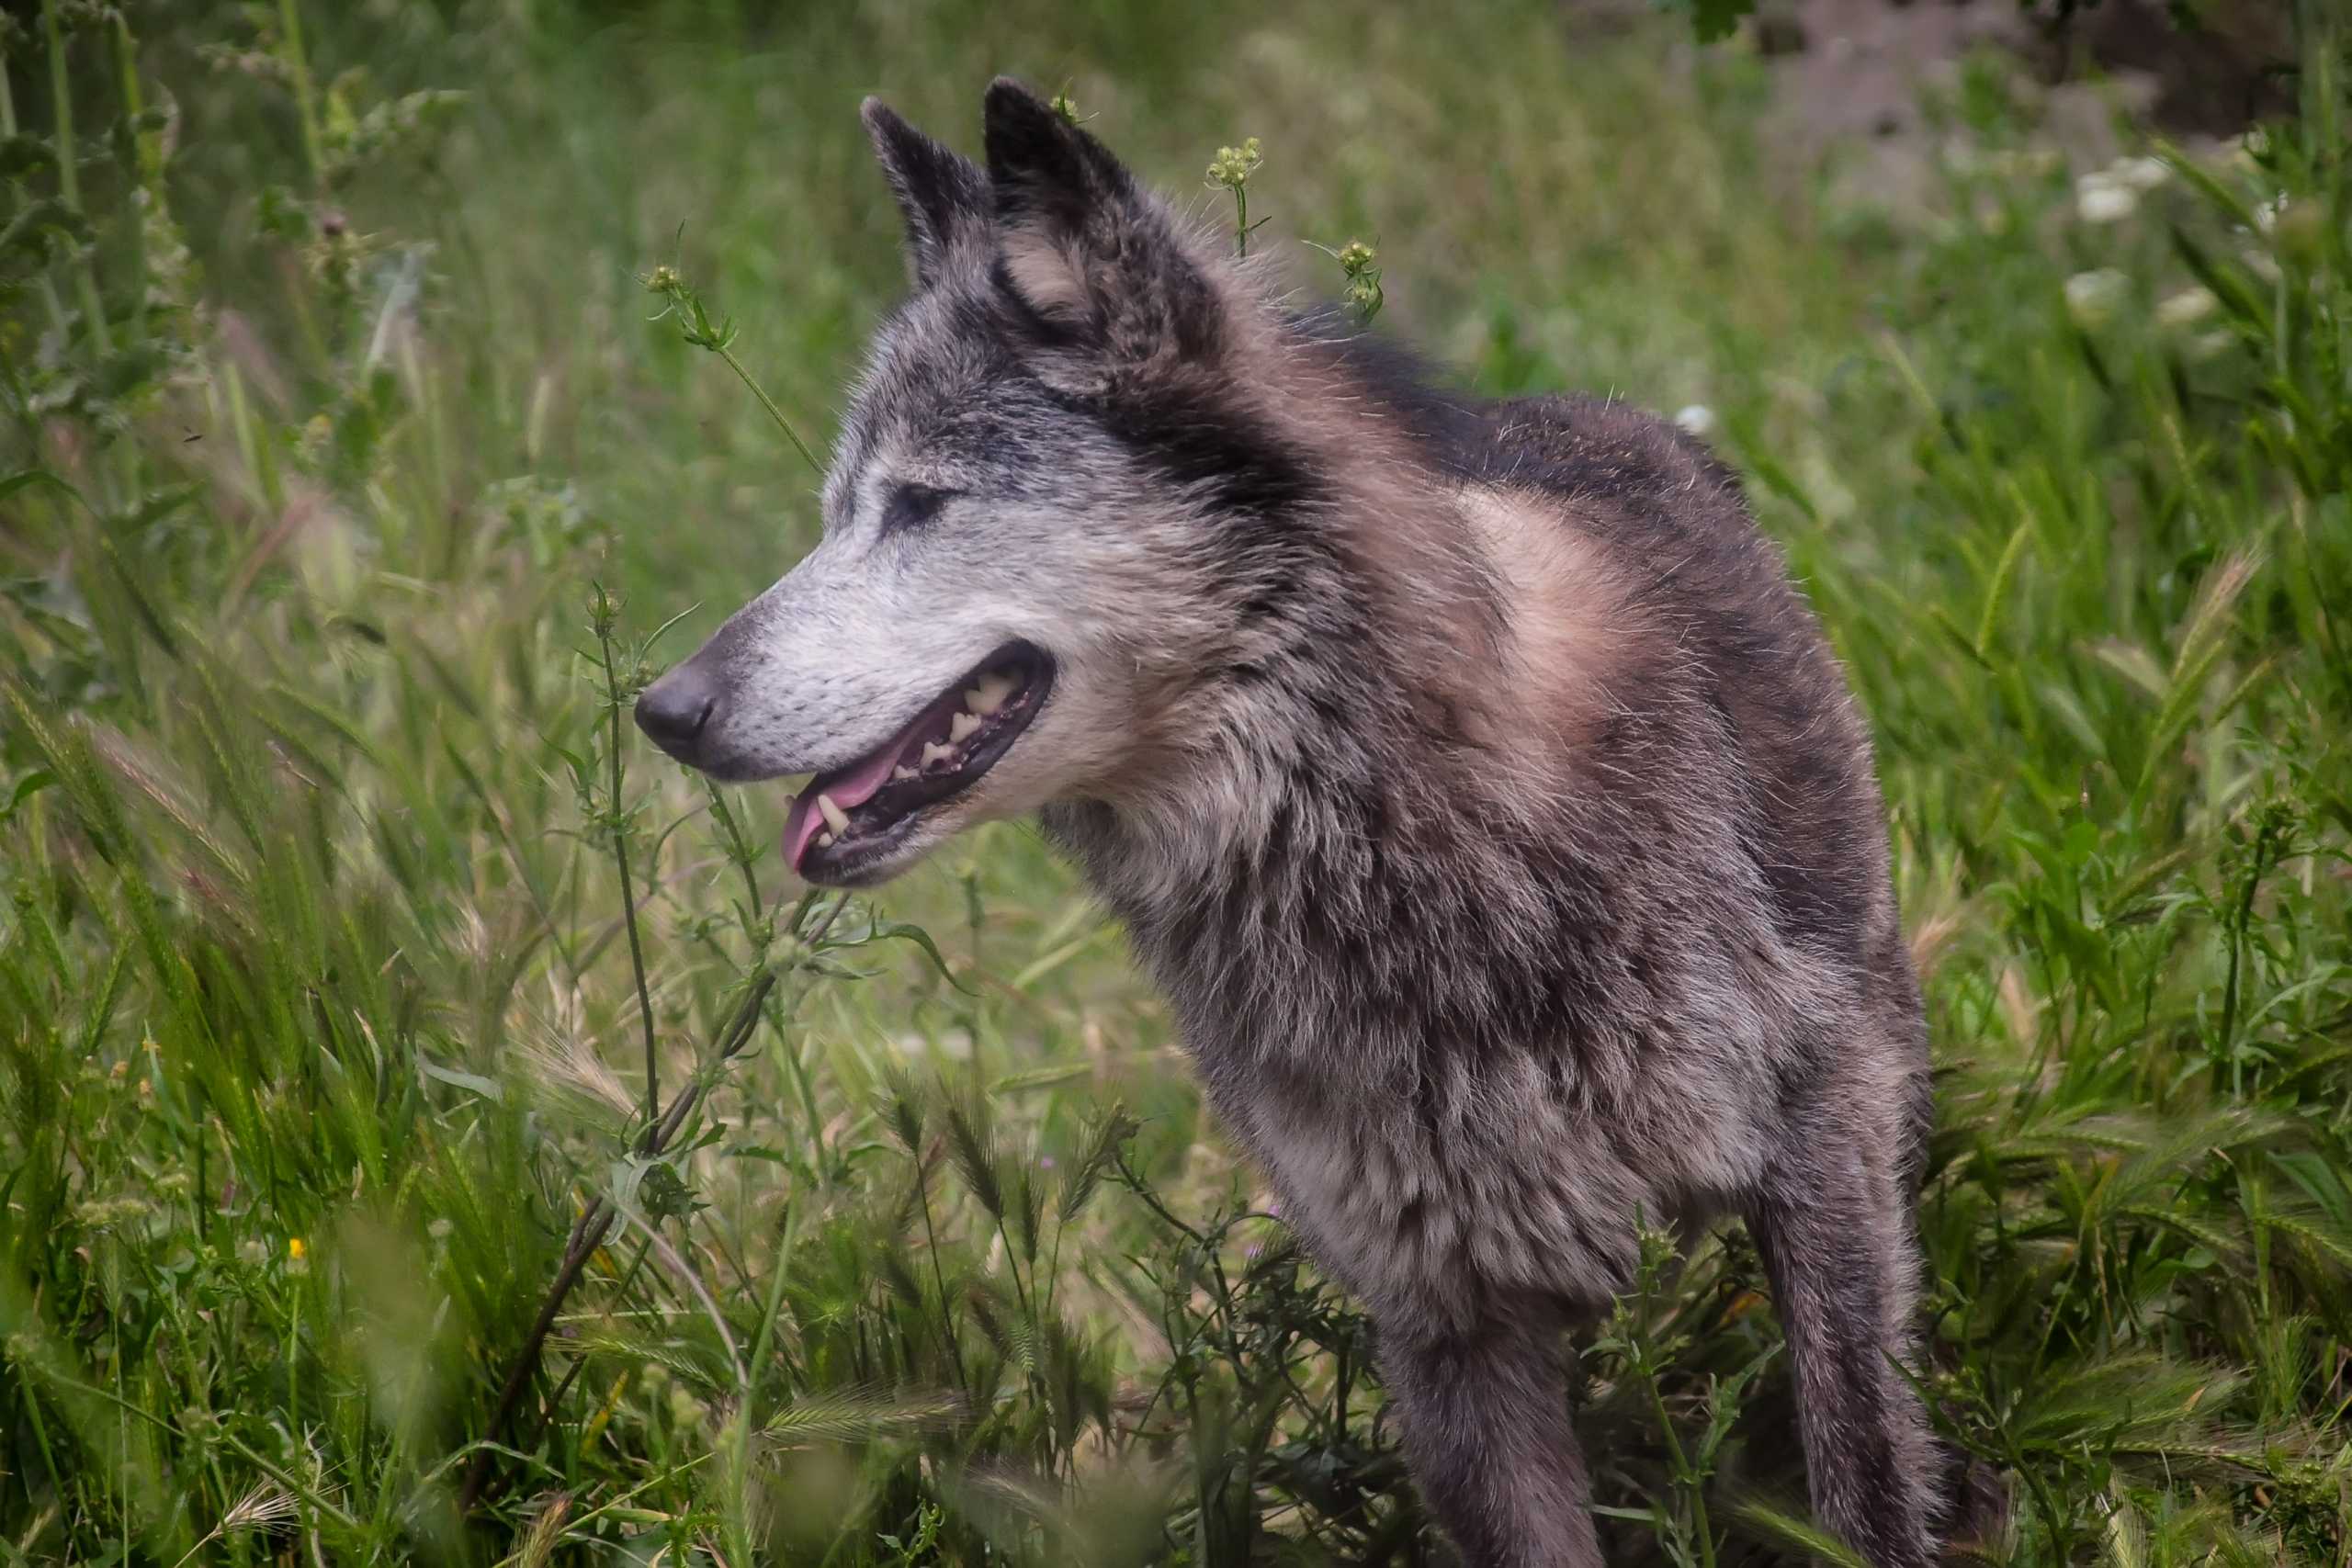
column 1486, row 1419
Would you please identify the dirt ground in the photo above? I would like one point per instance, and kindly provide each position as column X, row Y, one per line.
column 1854, row 74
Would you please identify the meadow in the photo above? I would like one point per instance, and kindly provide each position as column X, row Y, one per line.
column 436, row 1128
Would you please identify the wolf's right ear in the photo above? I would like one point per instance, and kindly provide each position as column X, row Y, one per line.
column 1092, row 256
column 943, row 196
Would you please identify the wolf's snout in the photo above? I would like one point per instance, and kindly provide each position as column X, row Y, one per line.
column 675, row 710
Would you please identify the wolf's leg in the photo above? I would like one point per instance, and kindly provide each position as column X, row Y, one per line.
column 1486, row 1420
column 1834, row 1221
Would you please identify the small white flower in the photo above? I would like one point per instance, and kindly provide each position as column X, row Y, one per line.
column 2186, row 308
column 2209, row 345
column 2027, row 163
column 2140, row 174
column 2103, row 199
column 1697, row 419
column 2092, row 297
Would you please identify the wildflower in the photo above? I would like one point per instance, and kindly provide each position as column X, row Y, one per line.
column 251, row 1252
column 1232, row 166
column 684, row 1408
column 441, row 1229
column 295, row 1250
column 1065, row 106
column 2297, row 232
column 105, row 1213
column 1357, row 264
column 2209, row 345
column 662, row 280
column 2187, row 308
column 2102, row 198
column 1697, row 419
column 2092, row 297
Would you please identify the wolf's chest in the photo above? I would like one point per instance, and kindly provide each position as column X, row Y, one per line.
column 1439, row 1188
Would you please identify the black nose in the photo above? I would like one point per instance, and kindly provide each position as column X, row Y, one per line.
column 674, row 710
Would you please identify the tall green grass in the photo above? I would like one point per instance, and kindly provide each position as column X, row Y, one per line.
column 345, row 483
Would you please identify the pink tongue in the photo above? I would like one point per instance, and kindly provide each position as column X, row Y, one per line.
column 803, row 823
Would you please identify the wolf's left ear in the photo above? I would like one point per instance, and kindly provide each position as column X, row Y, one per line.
column 942, row 195
column 1088, row 250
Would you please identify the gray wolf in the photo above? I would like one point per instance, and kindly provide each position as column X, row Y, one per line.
column 1471, row 776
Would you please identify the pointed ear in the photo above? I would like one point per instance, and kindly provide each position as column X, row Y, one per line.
column 1090, row 254
column 942, row 195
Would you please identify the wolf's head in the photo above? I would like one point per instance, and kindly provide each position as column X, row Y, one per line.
column 1054, row 515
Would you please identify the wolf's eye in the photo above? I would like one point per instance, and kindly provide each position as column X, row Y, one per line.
column 910, row 505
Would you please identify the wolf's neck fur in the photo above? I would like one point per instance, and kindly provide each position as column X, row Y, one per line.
column 1353, row 772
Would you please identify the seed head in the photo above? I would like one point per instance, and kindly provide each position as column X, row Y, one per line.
column 1232, row 166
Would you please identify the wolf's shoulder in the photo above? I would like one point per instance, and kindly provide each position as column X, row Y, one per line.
column 1594, row 449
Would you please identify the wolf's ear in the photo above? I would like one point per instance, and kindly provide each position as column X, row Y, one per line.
column 1084, row 248
column 942, row 195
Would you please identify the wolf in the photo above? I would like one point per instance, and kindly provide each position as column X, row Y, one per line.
column 1470, row 776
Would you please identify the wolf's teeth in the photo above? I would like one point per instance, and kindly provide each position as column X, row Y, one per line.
column 961, row 726
column 933, row 752
column 988, row 695
column 900, row 773
column 824, row 840
column 835, row 818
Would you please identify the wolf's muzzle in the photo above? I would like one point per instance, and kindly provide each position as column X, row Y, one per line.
column 674, row 712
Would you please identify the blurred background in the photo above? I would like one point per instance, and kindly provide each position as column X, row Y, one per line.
column 433, row 1127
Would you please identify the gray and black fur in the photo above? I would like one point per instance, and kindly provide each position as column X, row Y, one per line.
column 1470, row 776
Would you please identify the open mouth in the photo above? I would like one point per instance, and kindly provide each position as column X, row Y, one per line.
column 855, row 813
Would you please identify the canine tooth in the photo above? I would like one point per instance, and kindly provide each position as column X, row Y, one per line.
column 988, row 695
column 835, row 818
column 824, row 840
column 961, row 726
column 902, row 773
column 933, row 752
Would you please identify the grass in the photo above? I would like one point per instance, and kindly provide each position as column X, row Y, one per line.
column 333, row 410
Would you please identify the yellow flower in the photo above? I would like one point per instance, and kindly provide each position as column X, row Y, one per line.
column 295, row 1250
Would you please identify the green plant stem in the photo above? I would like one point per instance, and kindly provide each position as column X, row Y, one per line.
column 297, row 64
column 148, row 182
column 1684, row 1476
column 595, row 1221
column 738, row 846
column 48, row 285
column 69, row 179
column 768, row 404
column 621, row 858
column 740, row 1436
column 938, row 1275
